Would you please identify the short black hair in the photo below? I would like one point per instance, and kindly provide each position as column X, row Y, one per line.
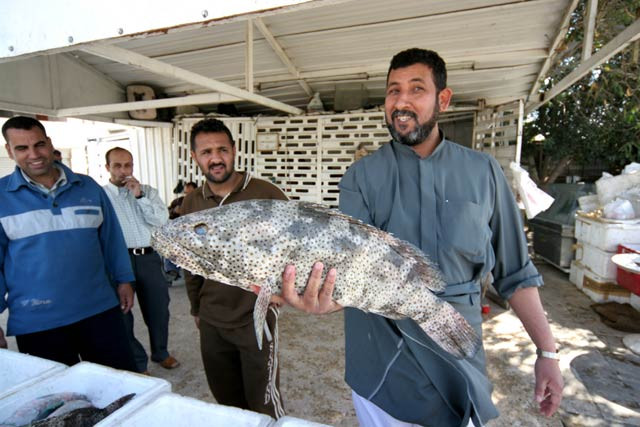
column 209, row 126
column 108, row 153
column 431, row 59
column 191, row 184
column 21, row 122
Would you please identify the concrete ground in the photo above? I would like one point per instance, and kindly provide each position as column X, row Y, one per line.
column 602, row 376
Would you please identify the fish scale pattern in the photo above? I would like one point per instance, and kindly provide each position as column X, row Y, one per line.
column 250, row 243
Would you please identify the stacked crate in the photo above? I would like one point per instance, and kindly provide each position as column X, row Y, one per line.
column 592, row 271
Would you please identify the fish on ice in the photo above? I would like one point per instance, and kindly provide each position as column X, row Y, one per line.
column 250, row 243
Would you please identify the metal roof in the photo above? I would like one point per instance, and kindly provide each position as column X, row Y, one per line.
column 495, row 50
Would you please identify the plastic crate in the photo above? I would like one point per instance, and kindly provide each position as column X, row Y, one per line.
column 170, row 409
column 629, row 277
column 101, row 384
column 18, row 370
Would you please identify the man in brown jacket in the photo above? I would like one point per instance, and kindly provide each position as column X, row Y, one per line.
column 238, row 373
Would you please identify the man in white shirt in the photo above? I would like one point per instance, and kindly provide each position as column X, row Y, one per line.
column 140, row 209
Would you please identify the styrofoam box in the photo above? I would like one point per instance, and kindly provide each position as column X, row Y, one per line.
column 296, row 422
column 606, row 234
column 101, row 384
column 18, row 370
column 171, row 409
column 596, row 287
column 576, row 273
column 600, row 289
column 596, row 260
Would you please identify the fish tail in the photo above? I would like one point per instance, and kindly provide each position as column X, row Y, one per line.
column 451, row 331
column 260, row 313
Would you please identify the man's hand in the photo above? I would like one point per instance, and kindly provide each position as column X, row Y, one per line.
column 317, row 297
column 125, row 293
column 133, row 185
column 3, row 340
column 549, row 385
column 197, row 320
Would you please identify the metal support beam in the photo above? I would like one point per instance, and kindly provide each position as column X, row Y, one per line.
column 125, row 56
column 248, row 57
column 564, row 27
column 519, row 132
column 589, row 29
column 205, row 98
column 619, row 42
column 282, row 55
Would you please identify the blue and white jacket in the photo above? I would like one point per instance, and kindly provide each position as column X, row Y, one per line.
column 57, row 253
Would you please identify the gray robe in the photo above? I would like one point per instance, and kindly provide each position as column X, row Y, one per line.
column 458, row 208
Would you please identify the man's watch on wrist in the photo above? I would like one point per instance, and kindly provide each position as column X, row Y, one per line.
column 141, row 195
column 547, row 354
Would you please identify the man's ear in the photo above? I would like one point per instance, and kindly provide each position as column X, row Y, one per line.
column 444, row 99
column 193, row 155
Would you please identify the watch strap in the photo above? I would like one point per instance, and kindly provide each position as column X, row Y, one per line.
column 547, row 354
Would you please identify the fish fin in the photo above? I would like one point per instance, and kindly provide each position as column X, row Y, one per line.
column 451, row 331
column 260, row 312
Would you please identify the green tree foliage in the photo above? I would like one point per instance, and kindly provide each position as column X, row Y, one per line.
column 597, row 120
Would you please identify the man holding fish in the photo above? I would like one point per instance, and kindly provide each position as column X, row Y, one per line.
column 238, row 372
column 455, row 205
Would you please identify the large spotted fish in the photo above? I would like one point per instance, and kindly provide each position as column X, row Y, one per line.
column 250, row 243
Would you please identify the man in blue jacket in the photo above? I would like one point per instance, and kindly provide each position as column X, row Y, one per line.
column 59, row 242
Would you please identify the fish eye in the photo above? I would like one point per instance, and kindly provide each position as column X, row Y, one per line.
column 200, row 229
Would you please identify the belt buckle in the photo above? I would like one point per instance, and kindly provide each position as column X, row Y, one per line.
column 138, row 251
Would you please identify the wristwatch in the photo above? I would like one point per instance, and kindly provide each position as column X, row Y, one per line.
column 547, row 354
column 141, row 195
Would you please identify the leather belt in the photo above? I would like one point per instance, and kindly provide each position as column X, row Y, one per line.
column 141, row 251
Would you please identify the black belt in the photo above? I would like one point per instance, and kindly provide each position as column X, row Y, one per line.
column 141, row 251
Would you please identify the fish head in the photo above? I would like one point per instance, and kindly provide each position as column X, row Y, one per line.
column 198, row 242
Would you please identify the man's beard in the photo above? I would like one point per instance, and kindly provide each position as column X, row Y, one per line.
column 214, row 180
column 420, row 133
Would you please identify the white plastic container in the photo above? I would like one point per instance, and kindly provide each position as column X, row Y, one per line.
column 18, row 370
column 287, row 421
column 596, row 260
column 101, row 384
column 606, row 234
column 170, row 409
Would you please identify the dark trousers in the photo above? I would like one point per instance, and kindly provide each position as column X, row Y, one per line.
column 238, row 373
column 152, row 293
column 101, row 338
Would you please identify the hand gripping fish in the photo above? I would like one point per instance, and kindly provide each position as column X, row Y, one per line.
column 250, row 243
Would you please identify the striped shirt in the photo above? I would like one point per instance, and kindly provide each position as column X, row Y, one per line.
column 137, row 217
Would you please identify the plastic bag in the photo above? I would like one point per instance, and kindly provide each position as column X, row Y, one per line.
column 632, row 167
column 533, row 199
column 619, row 209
